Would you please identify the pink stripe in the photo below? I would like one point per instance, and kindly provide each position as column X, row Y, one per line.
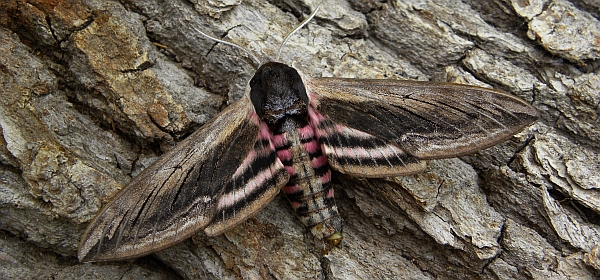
column 383, row 151
column 306, row 132
column 264, row 132
column 314, row 116
column 284, row 155
column 361, row 152
column 350, row 131
column 247, row 161
column 312, row 146
column 292, row 189
column 391, row 150
column 295, row 204
column 315, row 121
column 326, row 178
column 342, row 129
column 329, row 193
column 343, row 151
column 319, row 161
column 237, row 195
column 278, row 140
column 290, row 170
column 324, row 132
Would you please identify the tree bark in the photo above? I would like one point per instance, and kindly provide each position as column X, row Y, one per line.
column 95, row 91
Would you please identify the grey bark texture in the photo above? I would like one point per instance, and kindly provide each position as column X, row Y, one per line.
column 94, row 91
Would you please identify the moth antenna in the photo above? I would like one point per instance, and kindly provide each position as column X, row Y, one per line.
column 312, row 15
column 256, row 60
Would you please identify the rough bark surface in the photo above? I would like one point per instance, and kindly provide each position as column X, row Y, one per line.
column 93, row 91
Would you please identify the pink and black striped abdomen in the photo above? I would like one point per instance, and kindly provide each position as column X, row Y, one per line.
column 309, row 189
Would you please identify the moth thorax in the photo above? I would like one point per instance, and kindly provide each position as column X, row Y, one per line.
column 277, row 92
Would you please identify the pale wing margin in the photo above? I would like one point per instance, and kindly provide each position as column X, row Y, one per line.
column 177, row 195
column 427, row 120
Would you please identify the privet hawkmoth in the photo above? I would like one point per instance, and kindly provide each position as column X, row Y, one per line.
column 289, row 131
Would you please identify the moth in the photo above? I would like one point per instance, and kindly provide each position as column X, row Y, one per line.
column 288, row 132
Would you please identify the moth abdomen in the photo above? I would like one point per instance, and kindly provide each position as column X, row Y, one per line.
column 309, row 189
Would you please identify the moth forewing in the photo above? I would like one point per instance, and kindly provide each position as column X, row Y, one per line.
column 177, row 195
column 427, row 120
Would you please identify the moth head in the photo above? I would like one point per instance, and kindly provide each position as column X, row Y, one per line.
column 277, row 92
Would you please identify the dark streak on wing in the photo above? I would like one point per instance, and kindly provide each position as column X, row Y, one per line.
column 427, row 120
column 173, row 199
column 358, row 153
